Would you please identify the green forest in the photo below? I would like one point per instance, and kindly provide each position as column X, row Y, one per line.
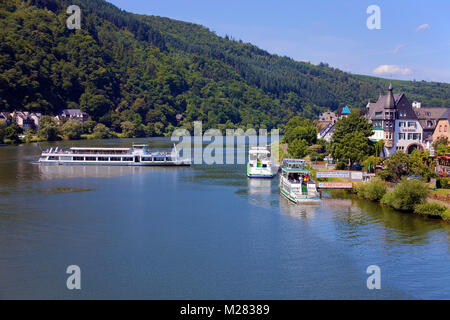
column 126, row 70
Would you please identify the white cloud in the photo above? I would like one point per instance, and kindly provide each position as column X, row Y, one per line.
column 397, row 48
column 423, row 27
column 392, row 69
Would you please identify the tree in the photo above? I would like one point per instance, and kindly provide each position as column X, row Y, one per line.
column 127, row 129
column 440, row 146
column 12, row 133
column 353, row 147
column 353, row 123
column 48, row 129
column 73, row 129
column 300, row 128
column 101, row 132
column 419, row 164
column 350, row 141
column 2, row 130
column 398, row 165
column 370, row 163
column 309, row 134
column 378, row 148
column 298, row 148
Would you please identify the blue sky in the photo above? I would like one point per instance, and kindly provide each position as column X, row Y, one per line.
column 413, row 42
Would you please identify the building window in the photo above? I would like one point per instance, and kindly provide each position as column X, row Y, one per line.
column 412, row 125
column 440, row 128
column 401, row 136
column 377, row 114
column 429, row 123
column 445, row 128
column 402, row 124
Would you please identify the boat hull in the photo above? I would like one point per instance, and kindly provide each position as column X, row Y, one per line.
column 260, row 173
column 133, row 164
column 300, row 200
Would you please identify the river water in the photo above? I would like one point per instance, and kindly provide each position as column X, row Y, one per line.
column 204, row 232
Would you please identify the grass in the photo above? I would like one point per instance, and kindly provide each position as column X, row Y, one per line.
column 433, row 210
column 442, row 192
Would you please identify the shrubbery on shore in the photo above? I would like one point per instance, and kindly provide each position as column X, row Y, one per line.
column 373, row 190
column 432, row 210
column 406, row 195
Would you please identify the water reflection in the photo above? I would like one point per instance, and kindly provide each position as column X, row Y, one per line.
column 48, row 212
column 259, row 191
column 405, row 228
column 304, row 211
column 48, row 172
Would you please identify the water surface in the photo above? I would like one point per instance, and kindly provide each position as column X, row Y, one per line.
column 205, row 232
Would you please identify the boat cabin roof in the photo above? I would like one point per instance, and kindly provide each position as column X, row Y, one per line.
column 296, row 170
column 294, row 161
column 255, row 150
column 100, row 149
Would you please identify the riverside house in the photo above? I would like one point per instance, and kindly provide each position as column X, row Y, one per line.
column 26, row 120
column 72, row 114
column 396, row 122
column 327, row 121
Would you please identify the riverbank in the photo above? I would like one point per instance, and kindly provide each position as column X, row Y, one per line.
column 408, row 196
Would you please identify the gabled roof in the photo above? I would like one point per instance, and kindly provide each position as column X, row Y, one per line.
column 346, row 110
column 327, row 130
column 378, row 107
column 72, row 112
column 435, row 113
column 429, row 116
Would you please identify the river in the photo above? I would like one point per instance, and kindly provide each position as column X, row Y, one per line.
column 204, row 232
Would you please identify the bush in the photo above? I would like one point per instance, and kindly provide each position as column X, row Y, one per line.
column 340, row 165
column 316, row 156
column 101, row 132
column 385, row 175
column 443, row 183
column 406, row 195
column 373, row 190
column 72, row 129
column 431, row 209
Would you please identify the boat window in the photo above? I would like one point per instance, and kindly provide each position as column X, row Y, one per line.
column 78, row 158
column 103, row 159
column 147, row 159
column 91, row 159
column 127, row 159
column 159, row 159
column 115, row 159
column 53, row 158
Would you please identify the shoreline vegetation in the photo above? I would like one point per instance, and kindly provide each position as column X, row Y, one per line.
column 408, row 196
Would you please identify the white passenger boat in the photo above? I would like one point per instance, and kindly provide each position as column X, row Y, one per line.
column 259, row 163
column 137, row 155
column 296, row 184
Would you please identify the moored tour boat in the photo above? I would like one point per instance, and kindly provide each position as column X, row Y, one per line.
column 259, row 163
column 296, row 184
column 137, row 155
